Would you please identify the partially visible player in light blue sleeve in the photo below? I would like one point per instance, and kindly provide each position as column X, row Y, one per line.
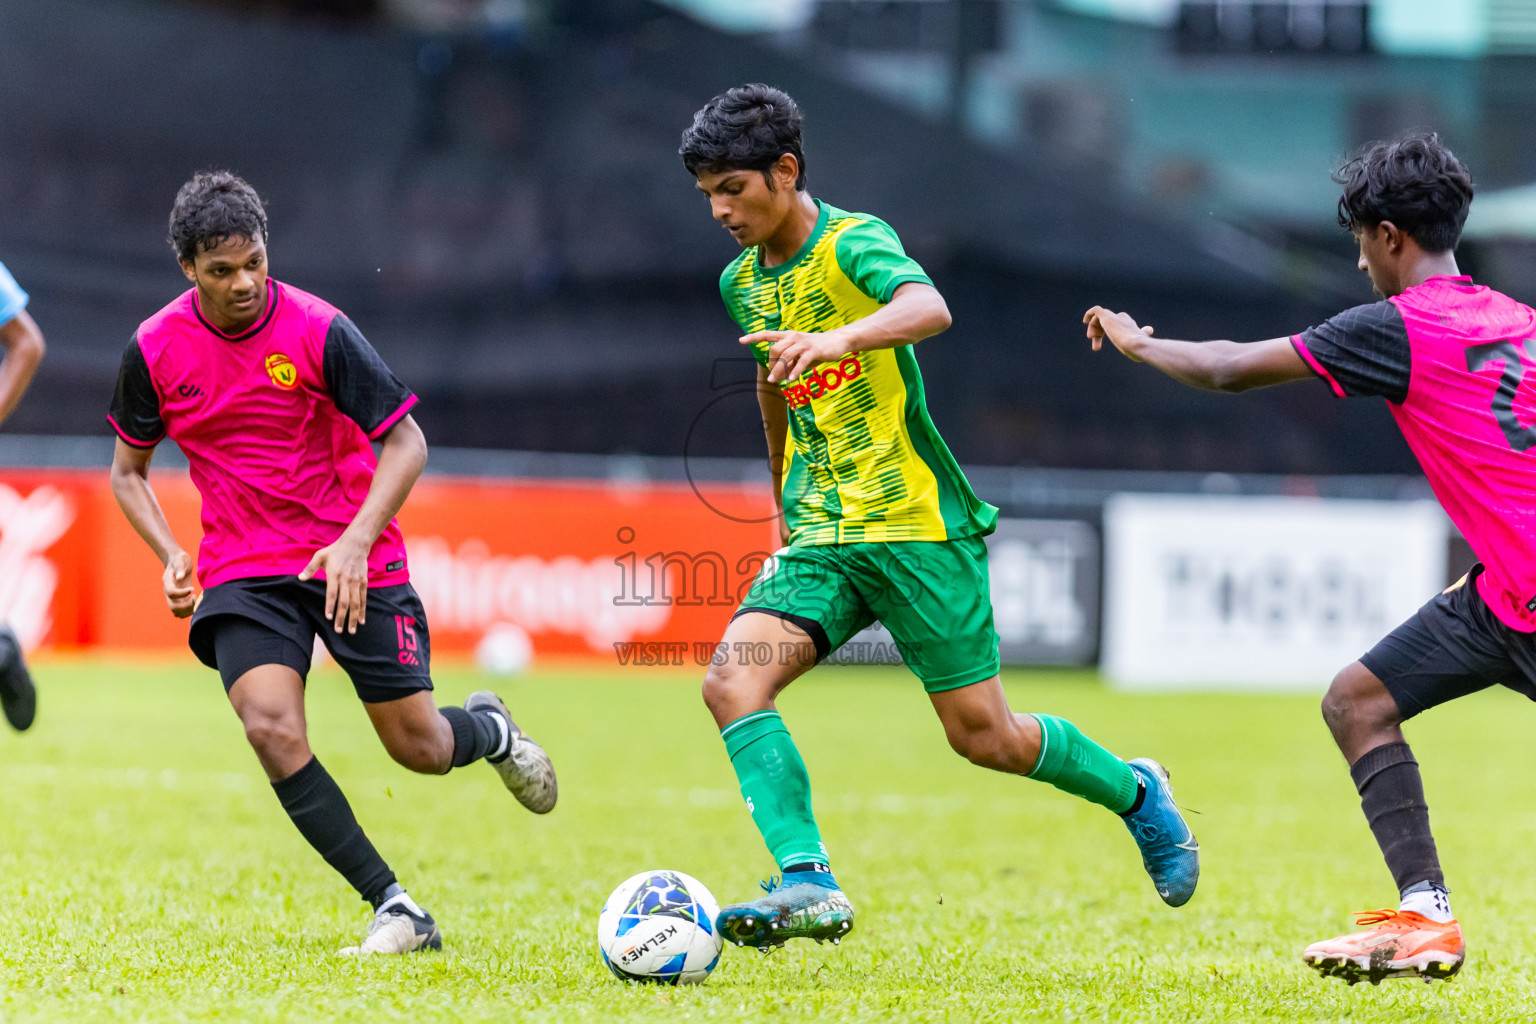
column 23, row 349
column 21, row 340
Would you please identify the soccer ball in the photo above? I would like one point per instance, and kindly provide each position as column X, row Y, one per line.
column 660, row 926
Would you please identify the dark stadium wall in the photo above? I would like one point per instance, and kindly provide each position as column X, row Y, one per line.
column 513, row 230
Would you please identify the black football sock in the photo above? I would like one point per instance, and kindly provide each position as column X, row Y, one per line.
column 1392, row 797
column 323, row 816
column 1141, row 798
column 475, row 734
column 816, row 872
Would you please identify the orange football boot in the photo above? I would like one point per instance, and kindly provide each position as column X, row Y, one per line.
column 1398, row 944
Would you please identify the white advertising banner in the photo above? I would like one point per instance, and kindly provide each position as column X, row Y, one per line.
column 1259, row 592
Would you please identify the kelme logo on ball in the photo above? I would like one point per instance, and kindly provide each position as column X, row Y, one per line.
column 282, row 371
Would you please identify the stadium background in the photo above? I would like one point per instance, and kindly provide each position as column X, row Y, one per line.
column 490, row 188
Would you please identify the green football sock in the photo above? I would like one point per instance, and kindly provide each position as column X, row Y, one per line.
column 776, row 787
column 1074, row 763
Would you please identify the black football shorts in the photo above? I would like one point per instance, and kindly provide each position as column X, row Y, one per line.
column 1451, row 647
column 273, row 620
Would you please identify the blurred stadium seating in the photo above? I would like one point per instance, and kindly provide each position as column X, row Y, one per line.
column 491, row 189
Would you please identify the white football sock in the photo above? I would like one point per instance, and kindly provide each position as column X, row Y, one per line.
column 402, row 899
column 506, row 737
column 1430, row 901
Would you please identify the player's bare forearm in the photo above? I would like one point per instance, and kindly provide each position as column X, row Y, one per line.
column 24, row 349
column 345, row 562
column 130, row 486
column 916, row 311
column 1209, row 365
column 770, row 401
column 401, row 460
column 1201, row 365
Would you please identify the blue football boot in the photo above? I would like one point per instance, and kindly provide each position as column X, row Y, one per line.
column 1169, row 851
column 810, row 907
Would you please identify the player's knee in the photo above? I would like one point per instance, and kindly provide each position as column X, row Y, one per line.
column 1356, row 701
column 276, row 739
column 723, row 688
column 1338, row 709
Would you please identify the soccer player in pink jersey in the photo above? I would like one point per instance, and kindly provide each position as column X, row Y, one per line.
column 273, row 396
column 1451, row 359
column 23, row 349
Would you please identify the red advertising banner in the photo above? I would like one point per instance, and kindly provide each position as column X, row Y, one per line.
column 638, row 571
column 582, row 567
column 43, row 555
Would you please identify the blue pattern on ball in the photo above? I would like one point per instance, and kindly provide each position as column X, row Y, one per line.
column 663, row 894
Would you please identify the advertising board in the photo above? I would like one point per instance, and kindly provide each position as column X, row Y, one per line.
column 638, row 573
column 1243, row 592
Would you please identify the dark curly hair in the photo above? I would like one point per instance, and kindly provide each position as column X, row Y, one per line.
column 1415, row 182
column 745, row 128
column 212, row 208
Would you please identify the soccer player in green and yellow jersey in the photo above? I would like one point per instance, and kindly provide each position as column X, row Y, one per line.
column 878, row 521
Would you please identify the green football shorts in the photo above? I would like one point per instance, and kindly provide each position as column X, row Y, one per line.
column 934, row 596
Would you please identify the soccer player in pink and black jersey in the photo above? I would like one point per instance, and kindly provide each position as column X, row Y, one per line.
column 273, row 396
column 1451, row 359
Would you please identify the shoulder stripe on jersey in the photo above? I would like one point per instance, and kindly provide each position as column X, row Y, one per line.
column 135, row 442
column 393, row 418
column 1316, row 367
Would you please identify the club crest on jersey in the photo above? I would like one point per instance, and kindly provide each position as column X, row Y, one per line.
column 282, row 371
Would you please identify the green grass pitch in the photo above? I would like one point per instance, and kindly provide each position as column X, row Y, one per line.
column 147, row 873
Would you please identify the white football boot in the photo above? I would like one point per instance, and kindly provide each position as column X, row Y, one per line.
column 396, row 929
column 524, row 767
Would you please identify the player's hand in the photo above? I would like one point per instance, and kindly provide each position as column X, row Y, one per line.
column 180, row 594
column 345, row 564
column 791, row 353
column 1123, row 332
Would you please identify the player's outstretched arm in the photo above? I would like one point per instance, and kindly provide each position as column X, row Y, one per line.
column 345, row 563
column 1210, row 365
column 24, row 348
column 130, row 485
column 916, row 311
column 770, row 401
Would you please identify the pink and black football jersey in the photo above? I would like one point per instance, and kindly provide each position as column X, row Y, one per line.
column 275, row 423
column 1452, row 358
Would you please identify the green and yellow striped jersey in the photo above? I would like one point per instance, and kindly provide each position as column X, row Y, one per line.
column 865, row 461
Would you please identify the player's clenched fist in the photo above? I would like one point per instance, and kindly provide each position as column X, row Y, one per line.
column 180, row 594
column 345, row 564
column 791, row 353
